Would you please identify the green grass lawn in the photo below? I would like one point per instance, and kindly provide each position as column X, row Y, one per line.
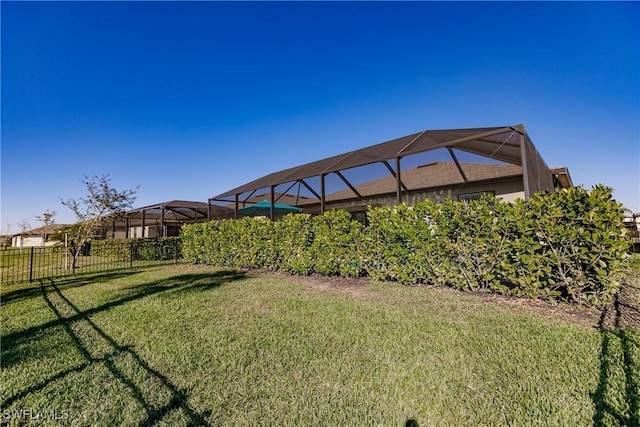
column 189, row 345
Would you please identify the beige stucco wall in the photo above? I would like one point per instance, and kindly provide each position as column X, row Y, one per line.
column 506, row 190
column 149, row 231
column 29, row 241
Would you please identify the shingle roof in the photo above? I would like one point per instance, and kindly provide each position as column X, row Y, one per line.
column 48, row 229
column 437, row 174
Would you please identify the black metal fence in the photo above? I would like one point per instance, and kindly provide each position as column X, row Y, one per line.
column 33, row 263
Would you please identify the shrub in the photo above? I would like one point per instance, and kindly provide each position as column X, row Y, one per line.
column 335, row 248
column 295, row 235
column 396, row 242
column 522, row 267
column 568, row 245
column 157, row 249
column 195, row 237
column 476, row 236
column 250, row 243
column 119, row 249
column 583, row 243
column 149, row 249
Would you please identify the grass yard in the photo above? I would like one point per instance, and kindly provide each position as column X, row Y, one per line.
column 191, row 345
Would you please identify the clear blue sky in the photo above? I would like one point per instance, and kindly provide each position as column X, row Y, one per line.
column 188, row 100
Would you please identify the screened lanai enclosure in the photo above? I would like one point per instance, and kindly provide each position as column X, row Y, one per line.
column 436, row 164
column 162, row 219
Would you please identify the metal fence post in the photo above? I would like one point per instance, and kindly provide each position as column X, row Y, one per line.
column 31, row 263
column 131, row 254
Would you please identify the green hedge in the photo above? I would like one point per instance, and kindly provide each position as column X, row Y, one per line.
column 299, row 244
column 568, row 245
column 148, row 249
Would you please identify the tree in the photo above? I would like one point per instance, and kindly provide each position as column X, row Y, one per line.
column 101, row 202
column 24, row 226
column 47, row 219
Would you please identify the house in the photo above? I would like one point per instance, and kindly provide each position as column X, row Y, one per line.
column 37, row 236
column 632, row 225
column 436, row 181
column 435, row 164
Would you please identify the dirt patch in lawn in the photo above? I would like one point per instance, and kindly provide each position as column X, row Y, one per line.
column 358, row 287
column 354, row 286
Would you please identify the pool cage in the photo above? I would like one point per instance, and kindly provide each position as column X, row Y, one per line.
column 429, row 164
column 162, row 219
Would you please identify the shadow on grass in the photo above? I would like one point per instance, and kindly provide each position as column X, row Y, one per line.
column 67, row 314
column 184, row 282
column 33, row 290
column 615, row 402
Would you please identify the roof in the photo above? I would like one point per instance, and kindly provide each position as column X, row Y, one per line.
column 563, row 176
column 436, row 174
column 509, row 144
column 48, row 229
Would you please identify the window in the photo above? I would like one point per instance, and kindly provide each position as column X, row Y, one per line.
column 361, row 217
column 474, row 196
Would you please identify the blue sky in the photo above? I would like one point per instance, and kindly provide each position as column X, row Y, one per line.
column 188, row 100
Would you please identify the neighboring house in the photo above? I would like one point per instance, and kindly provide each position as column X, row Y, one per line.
column 36, row 236
column 632, row 223
column 460, row 164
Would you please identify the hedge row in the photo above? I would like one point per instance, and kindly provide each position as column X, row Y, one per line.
column 150, row 249
column 299, row 244
column 567, row 245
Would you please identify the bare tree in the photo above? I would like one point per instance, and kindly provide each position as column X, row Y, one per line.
column 47, row 219
column 101, row 202
column 24, row 226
